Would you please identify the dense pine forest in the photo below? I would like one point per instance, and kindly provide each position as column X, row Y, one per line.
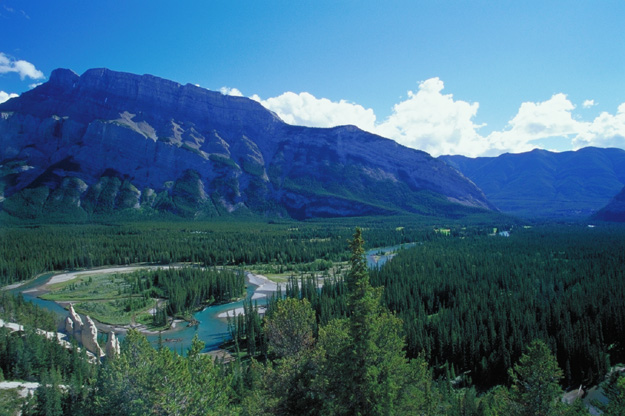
column 27, row 250
column 187, row 288
column 462, row 323
column 475, row 303
column 472, row 304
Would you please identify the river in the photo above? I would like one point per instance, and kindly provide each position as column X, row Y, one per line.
column 376, row 257
column 211, row 328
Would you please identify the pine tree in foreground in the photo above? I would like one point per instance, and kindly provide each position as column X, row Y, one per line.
column 364, row 369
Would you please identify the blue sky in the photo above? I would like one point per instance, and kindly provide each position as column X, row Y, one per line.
column 473, row 78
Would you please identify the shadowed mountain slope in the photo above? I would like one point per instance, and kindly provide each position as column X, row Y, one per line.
column 614, row 210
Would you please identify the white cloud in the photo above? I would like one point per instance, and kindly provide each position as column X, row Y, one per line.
column 307, row 110
column 427, row 120
column 4, row 96
column 230, row 91
column 23, row 68
column 35, row 85
column 589, row 103
column 606, row 130
column 435, row 122
column 535, row 121
column 544, row 119
column 554, row 118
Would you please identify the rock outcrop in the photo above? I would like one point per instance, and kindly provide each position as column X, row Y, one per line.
column 73, row 322
column 89, row 338
column 108, row 141
column 69, row 325
column 112, row 347
column 86, row 333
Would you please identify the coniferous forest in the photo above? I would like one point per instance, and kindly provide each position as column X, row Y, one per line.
column 461, row 323
column 472, row 304
column 188, row 288
column 29, row 249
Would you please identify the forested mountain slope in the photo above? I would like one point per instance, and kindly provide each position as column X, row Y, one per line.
column 547, row 184
column 108, row 141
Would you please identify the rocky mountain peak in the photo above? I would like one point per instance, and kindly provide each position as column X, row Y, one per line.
column 106, row 141
column 105, row 94
column 63, row 78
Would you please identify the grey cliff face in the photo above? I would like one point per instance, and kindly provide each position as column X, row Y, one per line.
column 107, row 141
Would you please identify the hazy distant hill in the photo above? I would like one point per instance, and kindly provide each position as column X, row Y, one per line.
column 547, row 184
column 108, row 141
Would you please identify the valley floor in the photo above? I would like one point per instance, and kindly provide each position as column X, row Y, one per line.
column 265, row 288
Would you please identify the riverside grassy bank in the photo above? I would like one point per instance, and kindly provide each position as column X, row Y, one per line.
column 147, row 296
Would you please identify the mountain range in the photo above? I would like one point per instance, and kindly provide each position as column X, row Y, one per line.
column 549, row 185
column 109, row 141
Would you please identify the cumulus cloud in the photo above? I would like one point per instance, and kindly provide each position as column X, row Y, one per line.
column 307, row 110
column 435, row 122
column 23, row 68
column 589, row 103
column 554, row 118
column 535, row 121
column 606, row 130
column 426, row 120
column 4, row 96
column 230, row 91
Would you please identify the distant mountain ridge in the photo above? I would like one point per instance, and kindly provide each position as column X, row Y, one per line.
column 543, row 184
column 108, row 141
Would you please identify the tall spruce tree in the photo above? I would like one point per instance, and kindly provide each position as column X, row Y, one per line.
column 364, row 367
column 535, row 389
column 290, row 328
